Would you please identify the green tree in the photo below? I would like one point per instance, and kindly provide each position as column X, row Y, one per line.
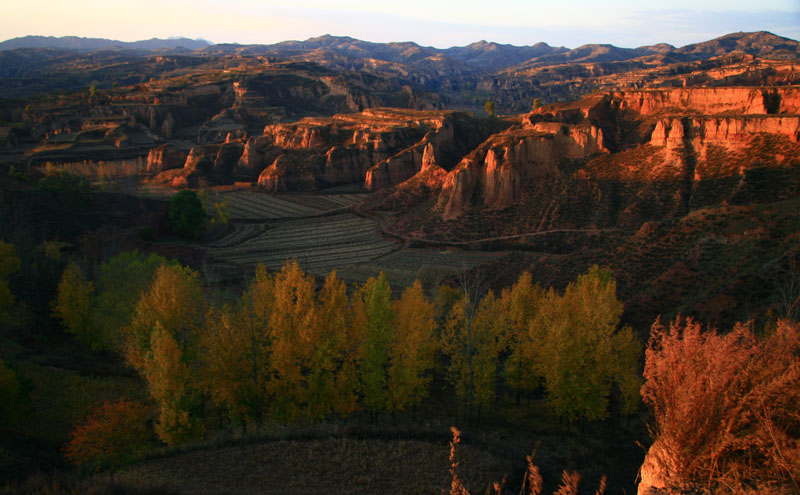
column 627, row 359
column 536, row 104
column 72, row 306
column 375, row 303
column 119, row 286
column 473, row 340
column 186, row 214
column 489, row 106
column 519, row 305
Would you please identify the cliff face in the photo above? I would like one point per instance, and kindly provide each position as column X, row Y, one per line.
column 508, row 163
column 165, row 157
column 680, row 148
column 379, row 148
column 711, row 101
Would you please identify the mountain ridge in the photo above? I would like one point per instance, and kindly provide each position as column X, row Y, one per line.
column 487, row 55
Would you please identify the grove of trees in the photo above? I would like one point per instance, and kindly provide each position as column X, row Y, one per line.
column 286, row 350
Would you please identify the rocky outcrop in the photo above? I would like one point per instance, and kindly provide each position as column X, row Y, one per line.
column 285, row 175
column 654, row 474
column 378, row 147
column 669, row 133
column 509, row 162
column 712, row 101
column 395, row 169
column 225, row 161
column 165, row 157
column 727, row 130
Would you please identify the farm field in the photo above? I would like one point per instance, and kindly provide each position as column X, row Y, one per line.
column 249, row 206
column 319, row 244
column 430, row 266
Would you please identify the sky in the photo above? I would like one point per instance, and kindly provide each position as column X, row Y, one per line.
column 439, row 23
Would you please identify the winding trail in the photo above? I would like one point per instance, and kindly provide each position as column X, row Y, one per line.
column 408, row 239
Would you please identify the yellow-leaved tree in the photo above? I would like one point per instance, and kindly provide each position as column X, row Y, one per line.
column 576, row 348
column 332, row 384
column 473, row 339
column 172, row 386
column 72, row 306
column 292, row 324
column 175, row 300
column 162, row 344
column 413, row 349
column 235, row 363
column 518, row 307
column 235, row 352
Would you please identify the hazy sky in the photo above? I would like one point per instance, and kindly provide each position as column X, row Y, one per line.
column 570, row 23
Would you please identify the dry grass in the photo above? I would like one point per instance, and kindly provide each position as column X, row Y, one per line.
column 331, row 465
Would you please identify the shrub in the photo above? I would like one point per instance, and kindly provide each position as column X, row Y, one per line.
column 725, row 409
column 114, row 434
column 64, row 183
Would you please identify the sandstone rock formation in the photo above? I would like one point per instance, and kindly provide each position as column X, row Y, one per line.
column 508, row 162
column 165, row 157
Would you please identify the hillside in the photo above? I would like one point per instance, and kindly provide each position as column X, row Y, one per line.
column 631, row 184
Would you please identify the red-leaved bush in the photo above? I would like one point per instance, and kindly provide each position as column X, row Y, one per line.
column 112, row 435
column 725, row 409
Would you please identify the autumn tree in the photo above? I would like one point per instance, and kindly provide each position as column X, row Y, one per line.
column 292, row 322
column 412, row 350
column 489, row 106
column 472, row 338
column 72, row 306
column 519, row 304
column 172, row 386
column 118, row 287
column 235, row 351
column 162, row 343
column 114, row 434
column 235, row 366
column 573, row 344
column 332, row 382
column 174, row 300
column 375, row 317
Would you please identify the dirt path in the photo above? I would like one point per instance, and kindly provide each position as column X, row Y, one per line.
column 408, row 239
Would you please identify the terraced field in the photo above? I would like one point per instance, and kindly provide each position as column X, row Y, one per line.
column 319, row 244
column 249, row 206
column 403, row 266
column 322, row 235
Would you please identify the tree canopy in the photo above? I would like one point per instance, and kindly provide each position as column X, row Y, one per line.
column 186, row 214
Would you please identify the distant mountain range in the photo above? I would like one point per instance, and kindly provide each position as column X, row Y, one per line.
column 488, row 56
column 462, row 77
column 94, row 44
